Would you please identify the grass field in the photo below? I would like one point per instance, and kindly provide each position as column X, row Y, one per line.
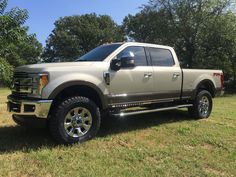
column 160, row 144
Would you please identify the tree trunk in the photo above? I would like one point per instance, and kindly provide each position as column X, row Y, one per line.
column 190, row 55
column 234, row 76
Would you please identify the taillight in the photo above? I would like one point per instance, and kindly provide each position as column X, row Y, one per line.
column 221, row 75
column 222, row 79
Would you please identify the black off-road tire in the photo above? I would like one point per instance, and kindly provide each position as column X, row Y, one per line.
column 195, row 111
column 56, row 122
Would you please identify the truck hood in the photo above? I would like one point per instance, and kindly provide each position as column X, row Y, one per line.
column 45, row 67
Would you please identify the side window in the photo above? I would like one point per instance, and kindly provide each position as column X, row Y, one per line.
column 139, row 55
column 161, row 57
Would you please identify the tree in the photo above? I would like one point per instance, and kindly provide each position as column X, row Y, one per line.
column 186, row 25
column 16, row 46
column 73, row 36
column 5, row 72
column 229, row 37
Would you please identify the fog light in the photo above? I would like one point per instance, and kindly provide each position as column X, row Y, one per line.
column 29, row 108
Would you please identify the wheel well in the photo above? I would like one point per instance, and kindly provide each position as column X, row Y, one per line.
column 78, row 90
column 207, row 85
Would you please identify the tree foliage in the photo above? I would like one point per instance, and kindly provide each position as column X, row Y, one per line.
column 5, row 72
column 73, row 36
column 16, row 46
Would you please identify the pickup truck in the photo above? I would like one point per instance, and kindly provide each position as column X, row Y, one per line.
column 121, row 79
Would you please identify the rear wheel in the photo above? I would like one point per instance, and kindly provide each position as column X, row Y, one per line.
column 202, row 105
column 75, row 120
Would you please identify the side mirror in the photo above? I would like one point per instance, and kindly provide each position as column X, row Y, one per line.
column 115, row 65
column 127, row 60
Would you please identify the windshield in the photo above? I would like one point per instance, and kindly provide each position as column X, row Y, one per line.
column 99, row 53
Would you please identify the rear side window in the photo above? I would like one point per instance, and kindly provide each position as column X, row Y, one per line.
column 161, row 57
column 139, row 55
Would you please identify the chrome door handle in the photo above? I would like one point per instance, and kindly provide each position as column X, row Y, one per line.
column 147, row 75
column 176, row 75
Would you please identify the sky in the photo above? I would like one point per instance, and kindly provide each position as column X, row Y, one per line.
column 43, row 13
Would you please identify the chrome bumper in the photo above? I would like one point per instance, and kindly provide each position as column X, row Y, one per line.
column 38, row 108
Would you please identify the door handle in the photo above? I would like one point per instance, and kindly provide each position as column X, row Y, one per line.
column 176, row 75
column 148, row 75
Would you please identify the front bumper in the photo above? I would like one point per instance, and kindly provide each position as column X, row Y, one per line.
column 37, row 108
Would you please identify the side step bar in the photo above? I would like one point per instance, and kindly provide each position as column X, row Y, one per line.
column 123, row 114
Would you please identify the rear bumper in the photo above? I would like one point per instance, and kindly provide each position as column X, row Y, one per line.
column 37, row 108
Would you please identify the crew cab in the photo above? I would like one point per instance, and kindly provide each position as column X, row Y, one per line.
column 121, row 79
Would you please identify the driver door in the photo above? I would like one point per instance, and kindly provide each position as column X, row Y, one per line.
column 132, row 84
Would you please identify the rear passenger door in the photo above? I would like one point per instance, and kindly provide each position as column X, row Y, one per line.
column 166, row 74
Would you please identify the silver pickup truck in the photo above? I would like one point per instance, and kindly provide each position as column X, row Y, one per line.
column 121, row 79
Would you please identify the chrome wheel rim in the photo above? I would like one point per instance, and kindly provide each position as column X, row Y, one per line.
column 203, row 106
column 78, row 122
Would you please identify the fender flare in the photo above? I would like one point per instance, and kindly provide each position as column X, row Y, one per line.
column 208, row 81
column 65, row 85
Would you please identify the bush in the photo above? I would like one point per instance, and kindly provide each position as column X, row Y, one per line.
column 6, row 73
column 230, row 86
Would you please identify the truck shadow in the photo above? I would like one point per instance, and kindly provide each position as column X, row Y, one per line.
column 16, row 138
column 115, row 125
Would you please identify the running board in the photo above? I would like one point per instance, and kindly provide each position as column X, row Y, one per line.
column 123, row 114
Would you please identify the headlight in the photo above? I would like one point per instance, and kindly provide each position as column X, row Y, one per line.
column 39, row 82
column 43, row 81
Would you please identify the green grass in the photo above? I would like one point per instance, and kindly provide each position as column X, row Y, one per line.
column 159, row 144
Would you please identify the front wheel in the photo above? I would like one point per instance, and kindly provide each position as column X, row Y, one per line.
column 75, row 120
column 202, row 105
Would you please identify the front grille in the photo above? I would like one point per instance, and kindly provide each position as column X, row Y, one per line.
column 19, row 94
column 22, row 84
column 20, row 75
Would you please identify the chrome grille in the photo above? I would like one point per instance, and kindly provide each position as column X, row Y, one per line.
column 22, row 84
